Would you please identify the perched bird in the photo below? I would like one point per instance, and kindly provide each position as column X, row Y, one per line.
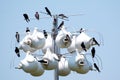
column 61, row 24
column 96, row 42
column 27, row 29
column 95, row 65
column 17, row 51
column 62, row 16
column 45, row 33
column 93, row 52
column 83, row 46
column 37, row 15
column 17, row 36
column 26, row 17
column 48, row 11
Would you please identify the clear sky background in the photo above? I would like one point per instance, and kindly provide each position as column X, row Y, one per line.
column 100, row 15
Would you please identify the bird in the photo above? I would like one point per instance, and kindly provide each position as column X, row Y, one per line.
column 83, row 46
column 48, row 11
column 93, row 52
column 26, row 17
column 27, row 29
column 45, row 33
column 61, row 24
column 17, row 51
column 17, row 36
column 37, row 15
column 62, row 16
column 96, row 41
column 95, row 65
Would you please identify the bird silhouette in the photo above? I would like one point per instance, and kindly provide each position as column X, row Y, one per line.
column 26, row 17
column 62, row 16
column 83, row 46
column 17, row 51
column 37, row 15
column 48, row 11
column 27, row 29
column 93, row 52
column 45, row 33
column 17, row 36
column 95, row 65
column 96, row 42
column 61, row 24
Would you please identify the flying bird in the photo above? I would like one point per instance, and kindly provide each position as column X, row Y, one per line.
column 45, row 33
column 61, row 24
column 17, row 36
column 93, row 52
column 95, row 65
column 17, row 51
column 48, row 11
column 37, row 15
column 83, row 46
column 26, row 17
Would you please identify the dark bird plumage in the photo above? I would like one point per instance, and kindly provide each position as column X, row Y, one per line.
column 95, row 65
column 17, row 36
column 61, row 24
column 96, row 42
column 62, row 16
column 45, row 33
column 83, row 46
column 93, row 52
column 27, row 29
column 48, row 11
column 37, row 15
column 17, row 51
column 26, row 17
column 81, row 30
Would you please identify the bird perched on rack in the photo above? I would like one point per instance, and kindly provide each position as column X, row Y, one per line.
column 48, row 11
column 45, row 33
column 17, row 36
column 17, row 51
column 26, row 17
column 96, row 41
column 93, row 52
column 63, row 16
column 61, row 25
column 37, row 15
column 27, row 29
column 83, row 46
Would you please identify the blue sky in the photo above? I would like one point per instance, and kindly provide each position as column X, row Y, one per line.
column 100, row 15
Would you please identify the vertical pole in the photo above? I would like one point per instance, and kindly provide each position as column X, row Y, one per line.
column 56, row 48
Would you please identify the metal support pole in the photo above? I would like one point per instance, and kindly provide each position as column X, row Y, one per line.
column 56, row 48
